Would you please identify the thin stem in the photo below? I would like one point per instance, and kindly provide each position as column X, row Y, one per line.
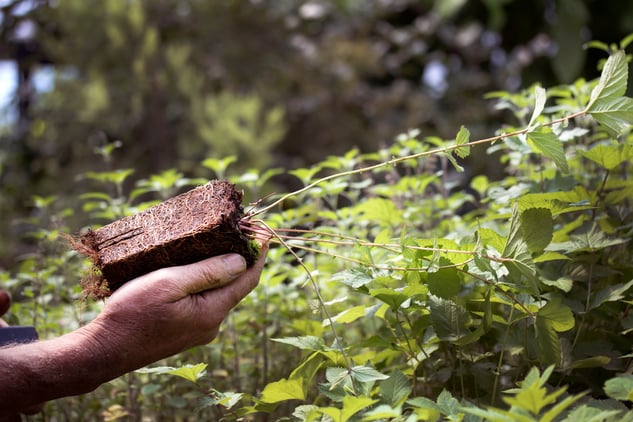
column 500, row 361
column 317, row 291
column 398, row 160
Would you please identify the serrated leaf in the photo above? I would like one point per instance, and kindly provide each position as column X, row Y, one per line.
column 445, row 282
column 396, row 389
column 613, row 79
column 537, row 228
column 449, row 319
column 380, row 210
column 283, row 390
column 552, row 318
column 615, row 114
column 559, row 316
column 382, row 412
column 304, row 342
column 423, row 403
column 391, row 297
column 463, row 137
column 610, row 294
column 447, row 403
column 544, row 141
column 540, row 97
column 355, row 277
column 588, row 413
column 610, row 156
column 547, row 343
column 520, row 265
column 620, row 387
column 353, row 405
column 349, row 315
column 366, row 374
column 189, row 372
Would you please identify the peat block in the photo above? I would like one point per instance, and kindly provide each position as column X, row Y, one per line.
column 197, row 224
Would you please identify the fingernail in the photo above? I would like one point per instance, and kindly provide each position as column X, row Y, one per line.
column 235, row 264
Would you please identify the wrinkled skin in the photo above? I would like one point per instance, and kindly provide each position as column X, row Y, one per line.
column 149, row 318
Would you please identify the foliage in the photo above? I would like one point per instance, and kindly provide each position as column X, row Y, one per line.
column 399, row 290
column 317, row 78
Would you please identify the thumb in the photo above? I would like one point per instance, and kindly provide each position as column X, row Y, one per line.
column 210, row 273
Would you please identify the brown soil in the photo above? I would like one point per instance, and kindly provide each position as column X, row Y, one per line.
column 198, row 224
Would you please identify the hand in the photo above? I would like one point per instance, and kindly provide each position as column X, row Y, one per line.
column 173, row 309
column 149, row 318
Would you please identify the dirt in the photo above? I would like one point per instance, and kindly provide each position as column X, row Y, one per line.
column 197, row 224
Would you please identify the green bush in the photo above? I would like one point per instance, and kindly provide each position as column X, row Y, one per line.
column 397, row 288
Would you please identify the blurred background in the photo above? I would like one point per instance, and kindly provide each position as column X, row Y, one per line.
column 277, row 83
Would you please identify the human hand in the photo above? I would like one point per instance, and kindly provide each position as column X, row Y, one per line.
column 172, row 309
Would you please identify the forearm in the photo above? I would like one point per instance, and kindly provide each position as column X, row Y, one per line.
column 37, row 372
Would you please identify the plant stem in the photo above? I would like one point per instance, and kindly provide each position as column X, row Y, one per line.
column 500, row 360
column 317, row 291
column 398, row 160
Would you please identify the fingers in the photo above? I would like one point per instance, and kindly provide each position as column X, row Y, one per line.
column 225, row 298
column 211, row 273
column 218, row 271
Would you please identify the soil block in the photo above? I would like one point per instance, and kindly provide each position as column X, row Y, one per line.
column 197, row 224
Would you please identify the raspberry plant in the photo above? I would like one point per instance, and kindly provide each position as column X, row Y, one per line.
column 412, row 292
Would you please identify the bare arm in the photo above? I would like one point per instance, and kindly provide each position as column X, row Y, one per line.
column 149, row 318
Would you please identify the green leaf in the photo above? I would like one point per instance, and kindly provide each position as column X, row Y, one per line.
column 540, row 95
column 366, row 374
column 610, row 156
column 533, row 396
column 189, row 372
column 559, row 316
column 444, row 283
column 447, row 403
column 543, row 140
column 555, row 411
column 353, row 405
column 620, row 387
column 226, row 399
column 463, row 137
column 350, row 315
column 610, row 294
column 520, row 264
column 552, row 318
column 355, row 277
column 537, row 228
column 304, row 342
column 607, row 104
column 308, row 369
column 449, row 319
column 219, row 165
column 396, row 389
column 613, row 79
column 592, row 362
column 391, row 297
column 615, row 114
column 283, row 390
column 382, row 412
column 382, row 211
